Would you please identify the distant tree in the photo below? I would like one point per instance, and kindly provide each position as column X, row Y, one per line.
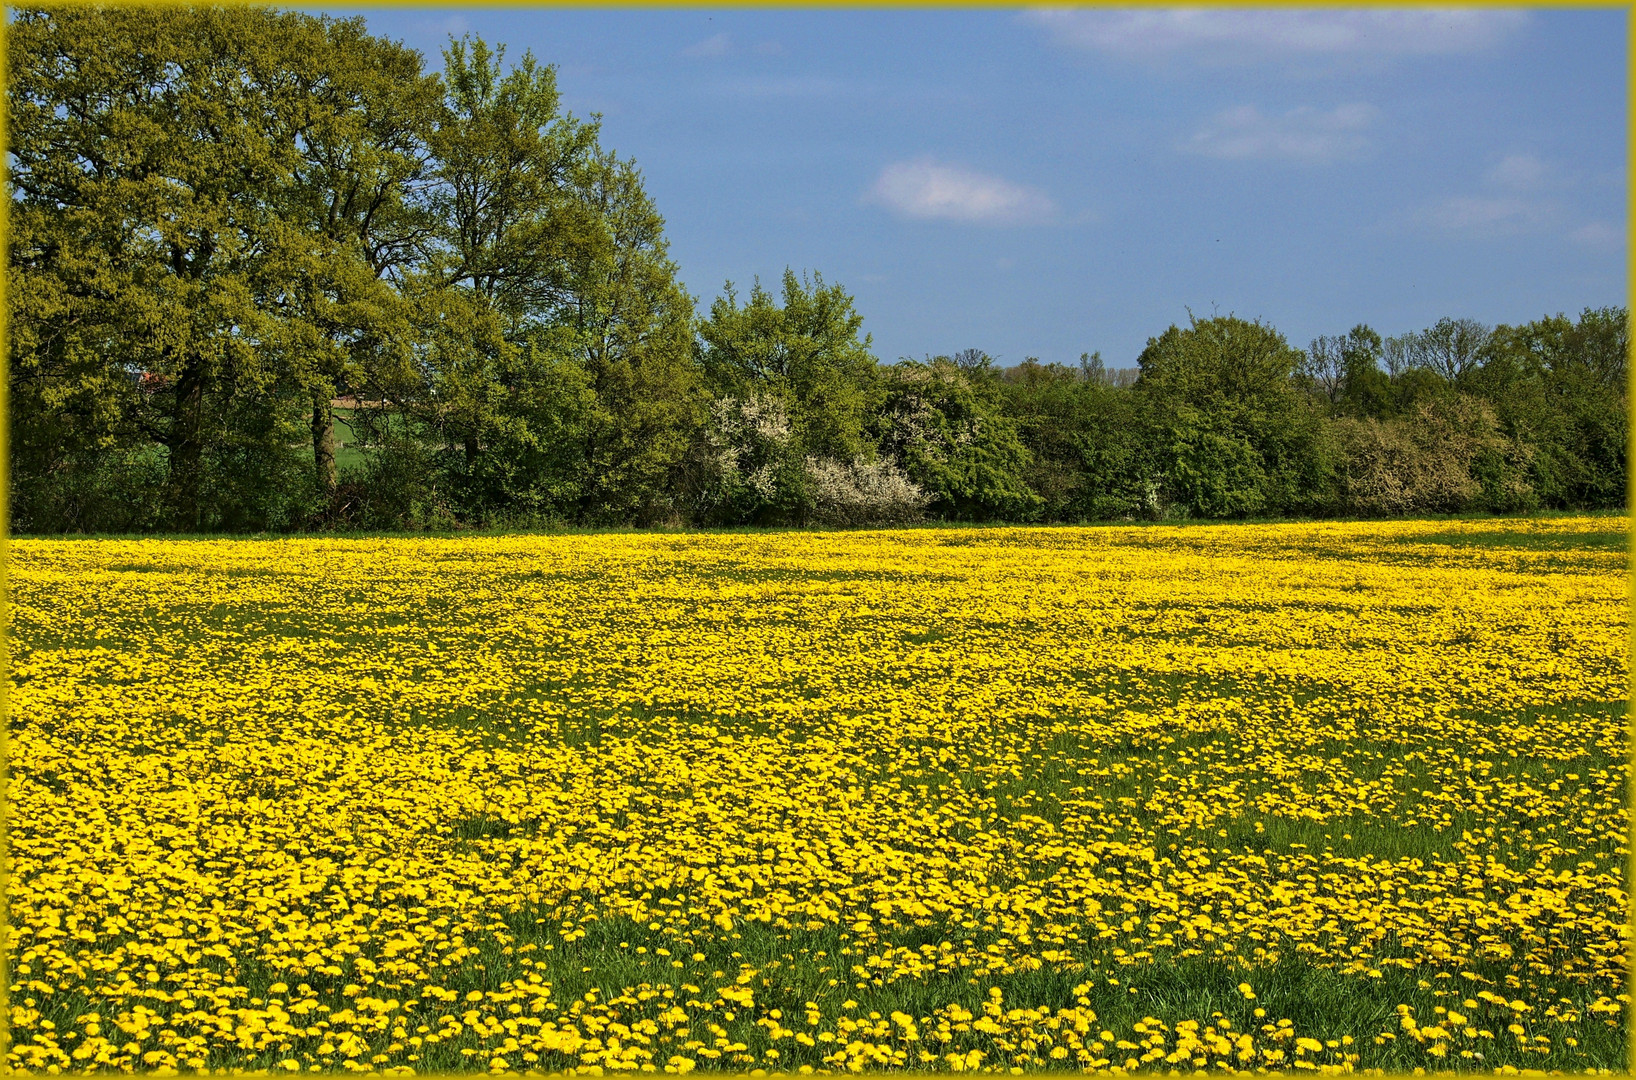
column 750, row 469
column 1414, row 385
column 1094, row 369
column 557, row 361
column 948, row 425
column 1451, row 348
column 1397, row 354
column 1558, row 385
column 1323, row 367
column 634, row 324
column 1087, row 448
column 807, row 349
column 972, row 360
column 505, row 158
column 1233, row 433
column 1447, row 454
column 367, row 112
column 499, row 373
column 1344, row 371
column 1448, row 349
column 1365, row 388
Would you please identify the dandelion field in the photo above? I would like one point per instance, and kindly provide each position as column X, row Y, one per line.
column 1339, row 797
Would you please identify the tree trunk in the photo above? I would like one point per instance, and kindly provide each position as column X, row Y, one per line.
column 323, row 445
column 186, row 448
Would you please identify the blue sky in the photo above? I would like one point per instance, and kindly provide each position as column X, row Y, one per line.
column 1052, row 181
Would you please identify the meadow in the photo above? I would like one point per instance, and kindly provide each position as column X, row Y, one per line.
column 1318, row 796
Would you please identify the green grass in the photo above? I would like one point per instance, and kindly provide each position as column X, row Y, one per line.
column 1606, row 540
column 796, row 968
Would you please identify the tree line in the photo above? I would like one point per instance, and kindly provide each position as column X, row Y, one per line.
column 267, row 272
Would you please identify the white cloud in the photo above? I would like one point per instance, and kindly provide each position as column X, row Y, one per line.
column 769, row 48
column 1519, row 172
column 710, row 48
column 1599, row 234
column 927, row 190
column 1362, row 32
column 1305, row 134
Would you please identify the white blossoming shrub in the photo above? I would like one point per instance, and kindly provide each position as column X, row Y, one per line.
column 752, row 470
column 862, row 493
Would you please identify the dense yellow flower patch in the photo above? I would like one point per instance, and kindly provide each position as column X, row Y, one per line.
column 1324, row 796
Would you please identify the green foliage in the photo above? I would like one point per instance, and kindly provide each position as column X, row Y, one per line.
column 562, row 380
column 806, row 351
column 1558, row 386
column 80, row 488
column 365, row 110
column 946, row 423
column 1214, row 471
column 502, row 202
column 634, row 323
column 531, row 435
column 751, row 469
column 397, row 486
column 223, row 219
column 497, row 386
column 145, row 228
column 1344, row 373
column 1086, row 445
column 1233, row 434
column 173, row 286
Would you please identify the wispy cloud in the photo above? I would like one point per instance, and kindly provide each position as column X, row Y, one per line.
column 454, row 24
column 710, row 48
column 1307, row 135
column 792, row 86
column 1519, row 172
column 1485, row 216
column 927, row 190
column 1284, row 31
column 1520, row 194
